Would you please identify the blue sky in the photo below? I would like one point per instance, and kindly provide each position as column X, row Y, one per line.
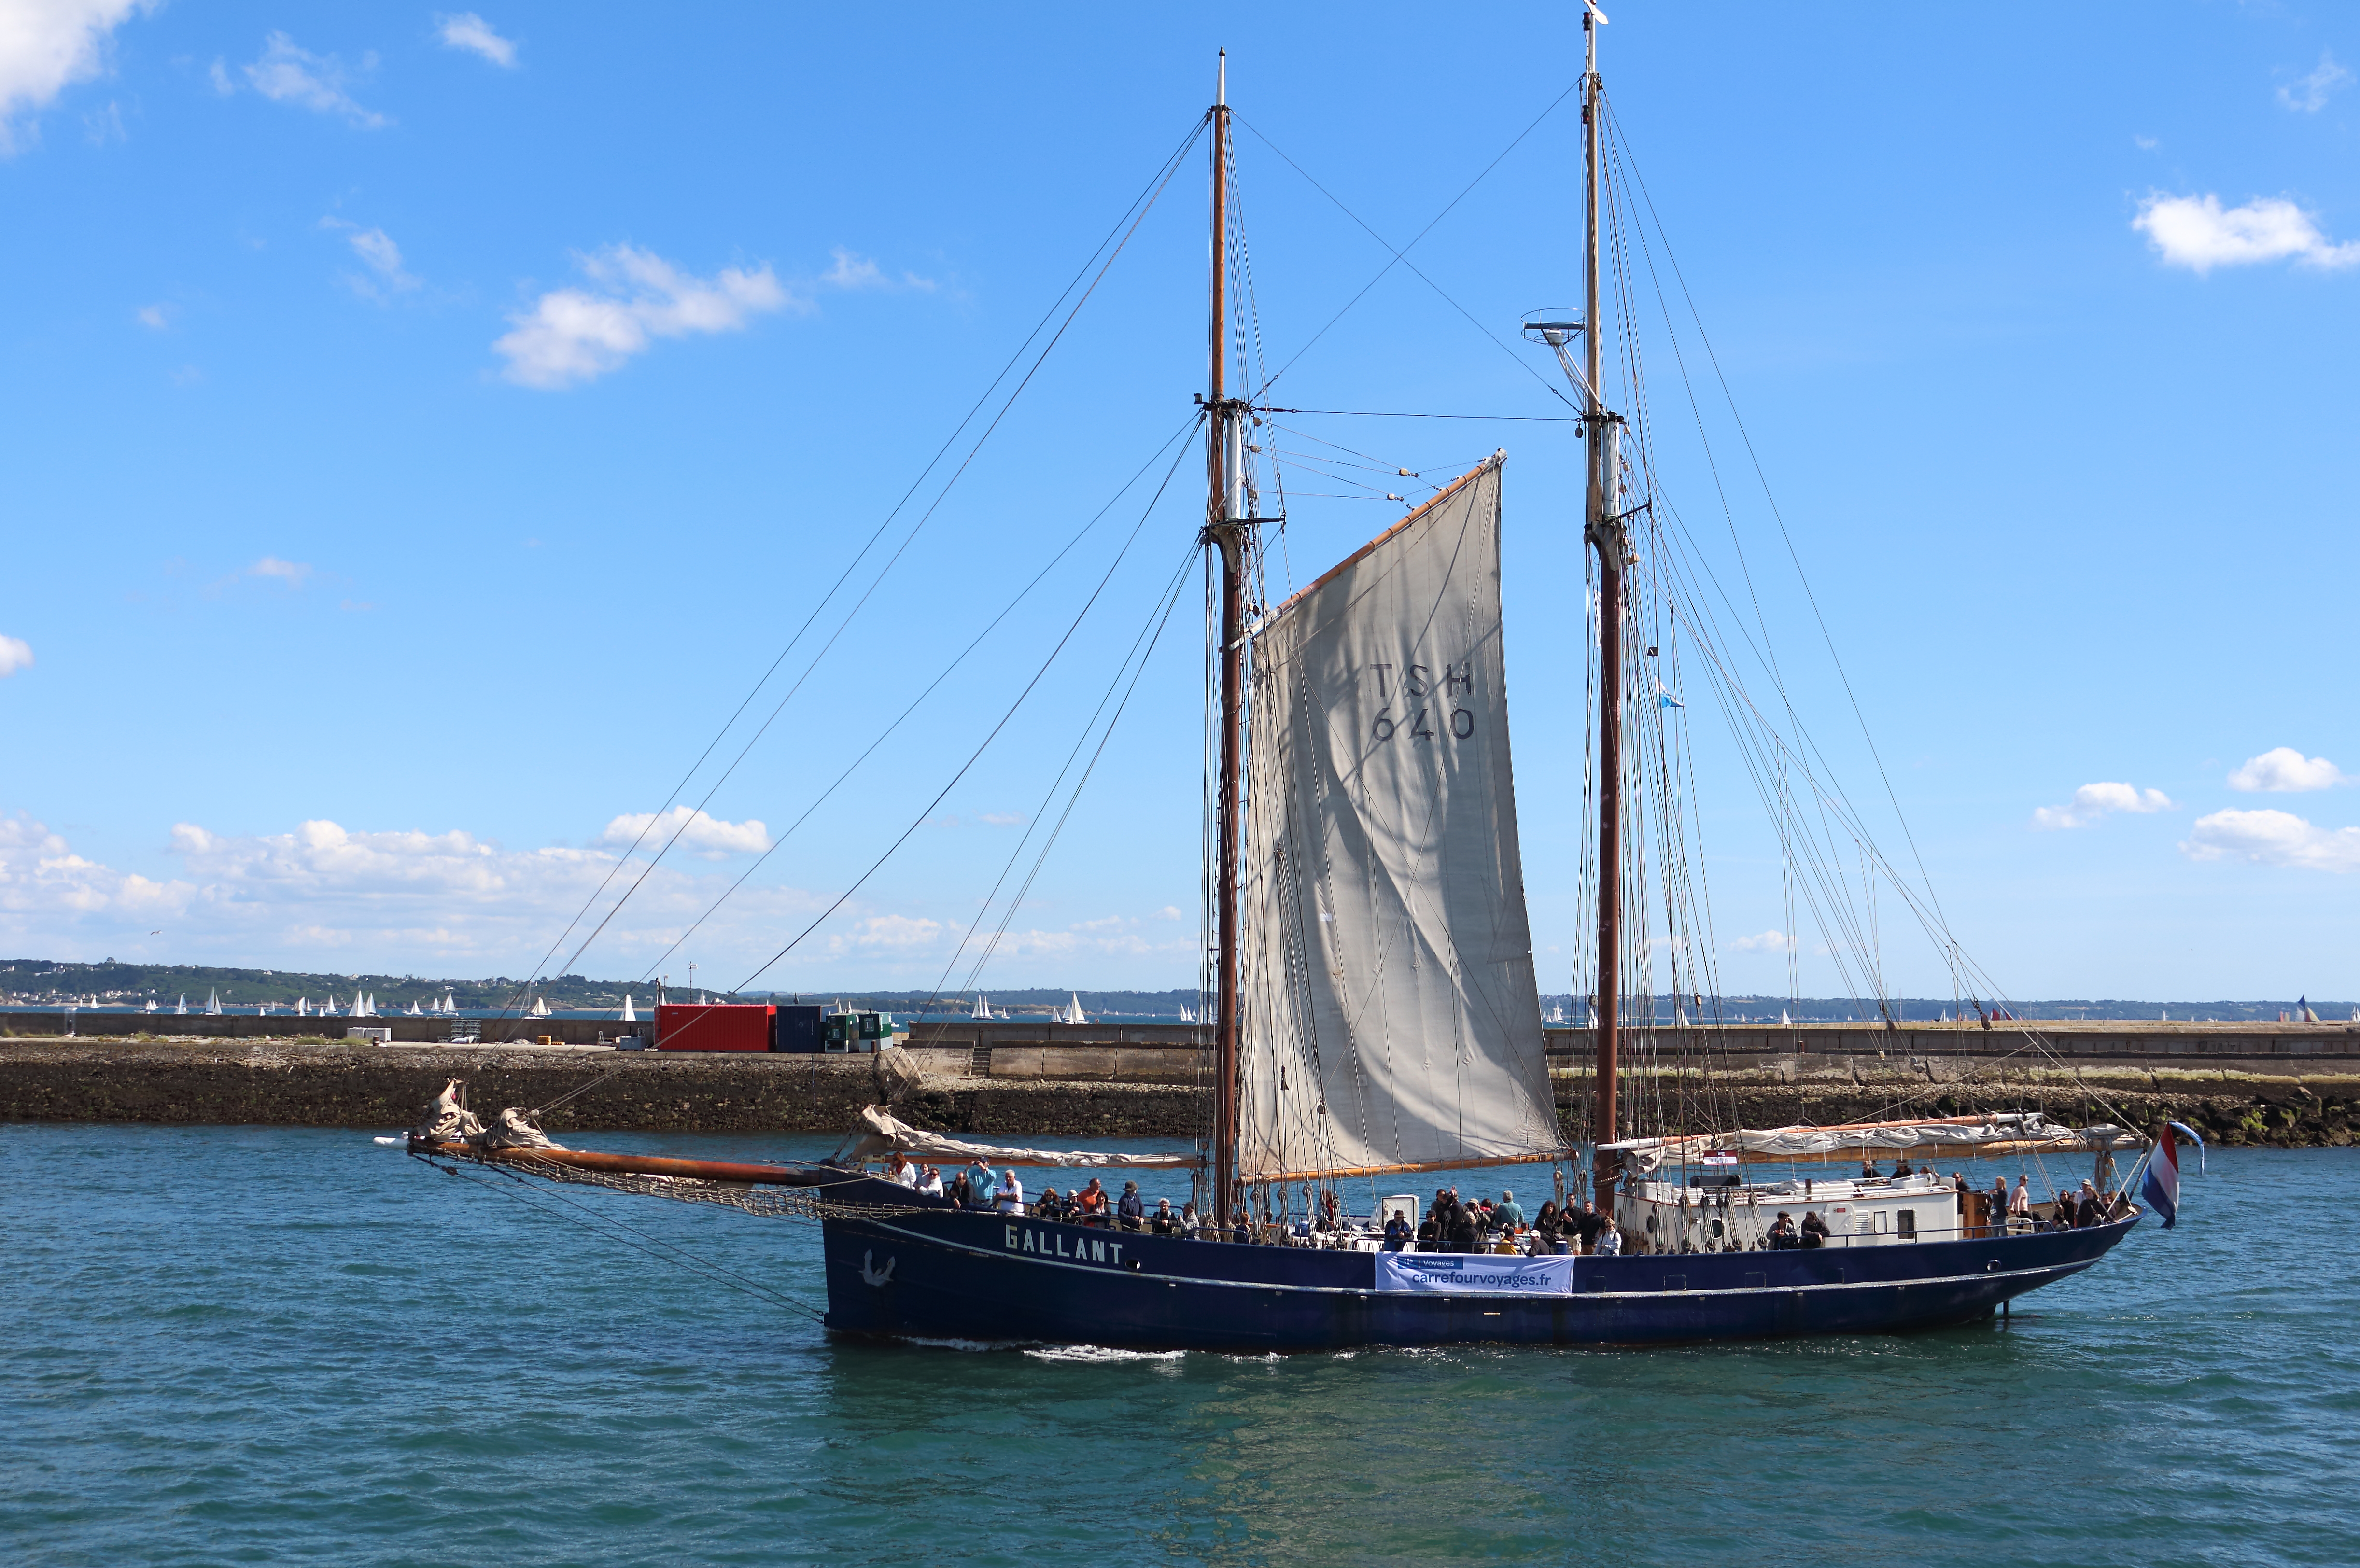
column 423, row 428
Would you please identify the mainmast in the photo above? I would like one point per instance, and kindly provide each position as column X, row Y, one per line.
column 1604, row 531
column 1225, row 529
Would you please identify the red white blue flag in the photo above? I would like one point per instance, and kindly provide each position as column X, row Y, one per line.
column 2161, row 1188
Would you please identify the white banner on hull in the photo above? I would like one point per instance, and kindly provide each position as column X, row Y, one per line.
column 1474, row 1273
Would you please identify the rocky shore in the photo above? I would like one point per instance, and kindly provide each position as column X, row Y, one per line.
column 337, row 1084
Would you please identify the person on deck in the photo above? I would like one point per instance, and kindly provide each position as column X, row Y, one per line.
column 1610, row 1242
column 2087, row 1209
column 1587, row 1226
column 1163, row 1221
column 2019, row 1202
column 1429, row 1233
column 1465, row 1235
column 1397, row 1232
column 1130, row 1209
column 900, row 1172
column 1191, row 1222
column 1782, row 1233
column 1995, row 1205
column 960, row 1192
column 931, row 1183
column 1008, row 1196
column 1901, row 1167
column 1959, row 1181
column 1241, row 1228
column 1510, row 1212
column 1814, row 1229
column 1090, row 1203
column 1547, row 1223
column 979, row 1183
column 1048, row 1205
column 1868, row 1168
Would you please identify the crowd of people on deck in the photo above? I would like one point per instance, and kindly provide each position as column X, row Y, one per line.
column 1456, row 1225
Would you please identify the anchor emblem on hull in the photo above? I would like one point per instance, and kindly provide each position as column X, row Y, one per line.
column 872, row 1275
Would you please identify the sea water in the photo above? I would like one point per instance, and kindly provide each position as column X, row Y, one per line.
column 261, row 1346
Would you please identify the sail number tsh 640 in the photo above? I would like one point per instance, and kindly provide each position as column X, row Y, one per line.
column 1417, row 681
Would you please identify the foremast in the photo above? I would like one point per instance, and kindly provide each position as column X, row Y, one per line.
column 1603, row 530
column 1227, row 531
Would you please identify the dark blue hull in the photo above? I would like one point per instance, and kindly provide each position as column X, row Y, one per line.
column 953, row 1274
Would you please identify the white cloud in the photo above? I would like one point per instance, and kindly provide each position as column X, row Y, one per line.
column 157, row 318
column 399, row 897
column 2146, row 144
column 2091, row 801
column 709, row 837
column 2194, row 232
column 288, row 73
column 385, row 277
column 16, row 654
column 1772, row 941
column 470, row 32
column 851, row 271
column 2326, row 81
column 292, row 573
column 1168, row 912
column 2284, row 770
column 39, row 872
column 47, row 44
column 1001, row 819
column 573, row 335
column 2273, row 838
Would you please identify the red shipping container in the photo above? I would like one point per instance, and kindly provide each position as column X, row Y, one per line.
column 693, row 1026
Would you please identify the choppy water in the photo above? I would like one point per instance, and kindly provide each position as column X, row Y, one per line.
column 267, row 1345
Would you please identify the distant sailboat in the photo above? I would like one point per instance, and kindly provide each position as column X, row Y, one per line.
column 302, row 1007
column 152, row 1005
column 1784, row 1021
column 539, row 1007
column 2302, row 1011
column 213, row 1003
column 413, row 1008
column 1073, row 1013
column 447, row 1005
column 982, row 1009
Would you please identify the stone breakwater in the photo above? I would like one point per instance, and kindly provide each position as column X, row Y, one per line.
column 333, row 1083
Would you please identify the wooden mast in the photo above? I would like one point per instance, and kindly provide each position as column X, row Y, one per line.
column 1225, row 528
column 1604, row 531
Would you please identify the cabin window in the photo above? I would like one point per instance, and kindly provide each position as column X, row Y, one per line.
column 1716, row 1227
column 1908, row 1225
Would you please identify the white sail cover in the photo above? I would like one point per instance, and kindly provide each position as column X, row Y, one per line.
column 884, row 1132
column 1390, row 1018
column 2006, row 1132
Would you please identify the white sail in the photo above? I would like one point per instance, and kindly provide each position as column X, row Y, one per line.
column 1392, row 1017
column 1073, row 1013
column 982, row 1007
column 539, row 1007
column 213, row 1003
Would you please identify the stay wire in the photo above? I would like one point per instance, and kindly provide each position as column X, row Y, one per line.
column 1119, row 237
column 648, row 1245
column 985, row 743
column 870, row 751
column 1154, row 633
column 1401, row 255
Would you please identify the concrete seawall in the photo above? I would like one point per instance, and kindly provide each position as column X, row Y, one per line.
column 331, row 1084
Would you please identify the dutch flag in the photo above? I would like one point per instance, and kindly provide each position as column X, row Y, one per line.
column 2161, row 1188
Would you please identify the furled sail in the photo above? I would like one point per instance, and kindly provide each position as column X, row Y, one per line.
column 1990, row 1135
column 1390, row 1018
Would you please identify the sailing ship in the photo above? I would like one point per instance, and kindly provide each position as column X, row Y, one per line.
column 1376, row 1017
